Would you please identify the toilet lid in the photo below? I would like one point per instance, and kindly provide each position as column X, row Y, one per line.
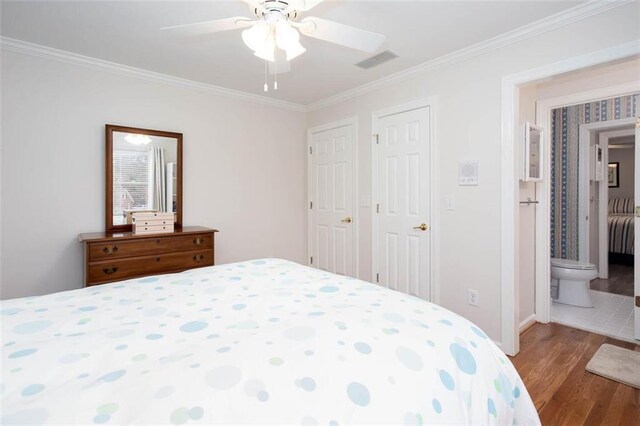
column 572, row 264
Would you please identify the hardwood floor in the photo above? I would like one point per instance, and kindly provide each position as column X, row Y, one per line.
column 552, row 363
column 620, row 281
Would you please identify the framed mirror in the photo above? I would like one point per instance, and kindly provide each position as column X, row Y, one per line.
column 144, row 173
column 532, row 153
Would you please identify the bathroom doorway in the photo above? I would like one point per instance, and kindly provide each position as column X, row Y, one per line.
column 586, row 78
column 563, row 224
column 591, row 210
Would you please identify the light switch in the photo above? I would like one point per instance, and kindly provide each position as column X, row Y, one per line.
column 365, row 201
column 450, row 203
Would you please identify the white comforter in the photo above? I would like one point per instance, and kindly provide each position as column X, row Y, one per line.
column 265, row 341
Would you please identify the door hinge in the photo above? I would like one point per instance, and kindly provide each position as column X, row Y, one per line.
column 310, row 150
column 377, row 277
column 311, row 204
column 378, row 208
column 377, row 136
column 311, row 260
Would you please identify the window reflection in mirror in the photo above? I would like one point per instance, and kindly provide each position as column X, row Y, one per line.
column 534, row 150
column 144, row 175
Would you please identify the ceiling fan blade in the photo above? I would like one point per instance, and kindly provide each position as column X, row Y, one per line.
column 281, row 65
column 341, row 34
column 208, row 27
column 252, row 3
column 255, row 5
column 303, row 5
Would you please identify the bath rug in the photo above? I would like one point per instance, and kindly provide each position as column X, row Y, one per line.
column 616, row 363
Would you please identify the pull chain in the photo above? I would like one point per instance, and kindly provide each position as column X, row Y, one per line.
column 275, row 75
column 266, row 83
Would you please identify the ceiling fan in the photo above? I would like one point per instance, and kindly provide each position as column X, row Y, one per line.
column 274, row 34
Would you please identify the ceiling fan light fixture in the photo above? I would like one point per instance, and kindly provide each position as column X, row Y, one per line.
column 294, row 51
column 286, row 35
column 288, row 39
column 257, row 36
column 137, row 139
column 267, row 51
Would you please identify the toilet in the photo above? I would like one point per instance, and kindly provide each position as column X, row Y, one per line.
column 570, row 282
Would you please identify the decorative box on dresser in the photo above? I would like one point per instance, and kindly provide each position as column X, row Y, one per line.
column 117, row 256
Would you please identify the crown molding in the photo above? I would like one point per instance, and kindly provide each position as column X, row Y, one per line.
column 566, row 17
column 19, row 46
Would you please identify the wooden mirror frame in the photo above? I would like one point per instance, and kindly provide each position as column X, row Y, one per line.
column 109, row 129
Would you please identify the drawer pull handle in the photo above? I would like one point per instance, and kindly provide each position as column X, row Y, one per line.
column 157, row 259
column 110, row 271
column 198, row 257
column 111, row 250
column 198, row 240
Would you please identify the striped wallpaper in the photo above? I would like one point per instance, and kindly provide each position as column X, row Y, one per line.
column 565, row 126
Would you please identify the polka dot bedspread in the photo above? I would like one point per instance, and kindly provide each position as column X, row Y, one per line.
column 265, row 341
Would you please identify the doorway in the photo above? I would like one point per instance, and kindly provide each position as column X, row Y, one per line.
column 332, row 220
column 510, row 154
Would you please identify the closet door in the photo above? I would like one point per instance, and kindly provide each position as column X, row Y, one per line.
column 403, row 237
column 332, row 202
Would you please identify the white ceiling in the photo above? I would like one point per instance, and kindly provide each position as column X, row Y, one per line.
column 128, row 32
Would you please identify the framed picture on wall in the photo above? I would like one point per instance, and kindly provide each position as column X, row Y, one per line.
column 614, row 175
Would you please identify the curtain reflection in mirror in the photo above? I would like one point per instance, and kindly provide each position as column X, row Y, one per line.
column 157, row 180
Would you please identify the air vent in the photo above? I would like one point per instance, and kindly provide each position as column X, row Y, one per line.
column 376, row 60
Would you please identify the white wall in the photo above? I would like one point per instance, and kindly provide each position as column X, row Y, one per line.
column 244, row 167
column 469, row 126
column 591, row 79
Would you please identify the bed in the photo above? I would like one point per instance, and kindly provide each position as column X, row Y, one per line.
column 263, row 341
column 621, row 230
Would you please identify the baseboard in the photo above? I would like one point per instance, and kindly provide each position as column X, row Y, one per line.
column 527, row 322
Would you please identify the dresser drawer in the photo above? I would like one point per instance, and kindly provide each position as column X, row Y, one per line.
column 155, row 244
column 120, row 269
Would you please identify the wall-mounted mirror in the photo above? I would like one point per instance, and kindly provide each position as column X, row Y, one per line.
column 144, row 173
column 532, row 153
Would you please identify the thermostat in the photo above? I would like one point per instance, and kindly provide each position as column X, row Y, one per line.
column 468, row 173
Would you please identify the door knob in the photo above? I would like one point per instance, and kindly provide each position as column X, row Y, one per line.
column 346, row 220
column 422, row 227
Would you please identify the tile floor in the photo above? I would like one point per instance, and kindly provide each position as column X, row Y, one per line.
column 612, row 315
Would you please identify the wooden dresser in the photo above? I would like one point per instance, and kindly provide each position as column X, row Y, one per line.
column 117, row 256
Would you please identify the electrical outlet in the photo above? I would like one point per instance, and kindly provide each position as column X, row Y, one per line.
column 472, row 297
